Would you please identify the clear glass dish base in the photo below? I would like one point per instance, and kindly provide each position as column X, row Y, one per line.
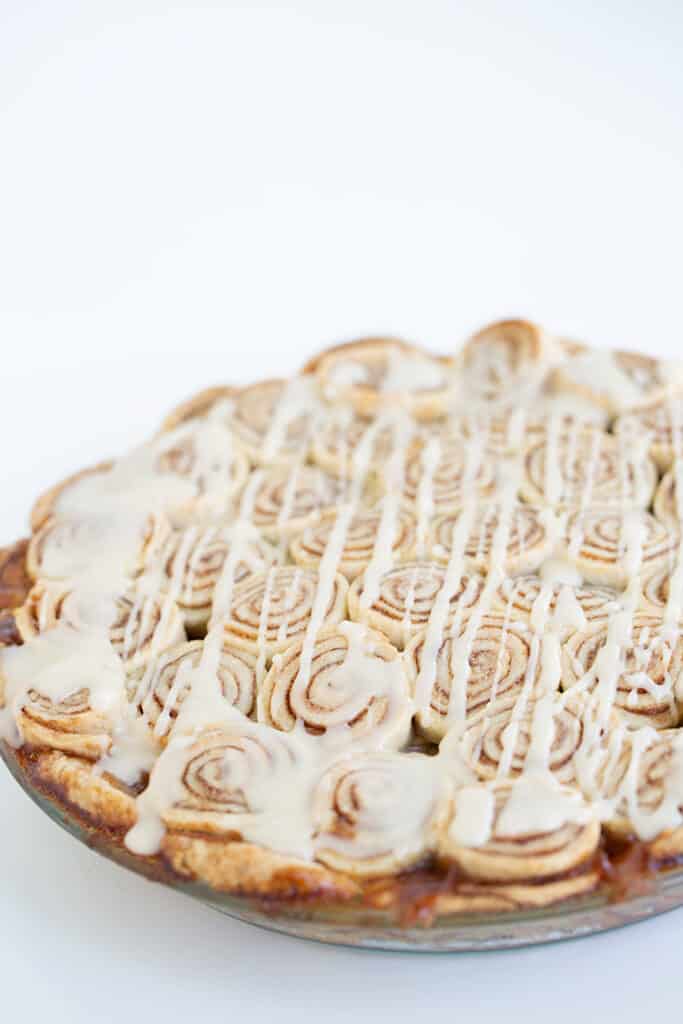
column 368, row 929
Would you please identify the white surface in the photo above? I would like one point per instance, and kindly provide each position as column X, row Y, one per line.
column 190, row 193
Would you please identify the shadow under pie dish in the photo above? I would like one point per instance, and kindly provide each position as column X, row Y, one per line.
column 344, row 655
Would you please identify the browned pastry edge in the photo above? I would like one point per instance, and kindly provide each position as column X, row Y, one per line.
column 196, row 405
column 351, row 346
column 44, row 504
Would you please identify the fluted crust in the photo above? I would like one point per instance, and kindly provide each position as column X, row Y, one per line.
column 512, row 854
column 529, row 536
column 308, row 548
column 270, row 610
column 377, row 373
column 378, row 813
column 473, row 668
column 608, row 546
column 405, row 598
column 587, row 467
column 354, row 688
column 159, row 689
column 641, row 671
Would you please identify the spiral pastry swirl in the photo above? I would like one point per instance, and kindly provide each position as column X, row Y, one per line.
column 617, row 381
column 360, row 540
column 376, row 373
column 226, row 780
column 529, row 538
column 510, row 431
column 648, row 681
column 563, row 607
column 335, row 447
column 494, row 834
column 270, row 610
column 289, row 498
column 656, row 588
column 666, row 505
column 640, row 779
column 587, row 468
column 253, row 411
column 356, row 687
column 137, row 624
column 500, row 741
column 609, row 546
column 159, row 689
column 458, row 476
column 377, row 813
column 69, row 724
column 202, row 453
column 66, row 548
column 662, row 422
column 406, row 596
column 474, row 667
column 193, row 561
column 497, row 364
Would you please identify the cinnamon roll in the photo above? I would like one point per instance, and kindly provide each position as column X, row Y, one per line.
column 565, row 607
column 503, row 362
column 336, row 447
column 503, row 741
column 461, row 472
column 639, row 781
column 69, row 724
column 66, row 548
column 584, row 468
column 376, row 373
column 378, row 813
column 638, row 668
column 617, row 380
column 656, row 587
column 270, row 610
column 159, row 689
column 529, row 538
column 405, row 597
column 230, row 782
column 193, row 561
column 499, row 834
column 666, row 506
column 136, row 623
column 509, row 431
column 288, row 498
column 609, row 546
column 201, row 453
column 272, row 419
column 350, row 686
column 662, row 422
column 359, row 545
column 472, row 668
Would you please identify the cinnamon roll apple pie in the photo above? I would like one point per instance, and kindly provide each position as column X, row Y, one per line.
column 401, row 628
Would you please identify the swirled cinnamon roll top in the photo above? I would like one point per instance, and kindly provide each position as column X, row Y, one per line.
column 360, row 537
column 270, row 610
column 559, row 605
column 497, row 364
column 376, row 373
column 634, row 662
column 662, row 423
column 587, row 467
column 529, row 534
column 405, row 598
column 475, row 664
column 459, row 473
column 350, row 686
column 268, row 426
column 289, row 498
column 520, row 831
column 617, row 380
column 609, row 546
column 159, row 689
column 377, row 813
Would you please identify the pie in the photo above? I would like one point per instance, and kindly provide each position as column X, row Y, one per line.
column 402, row 632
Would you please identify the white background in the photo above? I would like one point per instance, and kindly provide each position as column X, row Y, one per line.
column 204, row 192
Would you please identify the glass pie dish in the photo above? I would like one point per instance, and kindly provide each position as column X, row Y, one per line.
column 369, row 928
